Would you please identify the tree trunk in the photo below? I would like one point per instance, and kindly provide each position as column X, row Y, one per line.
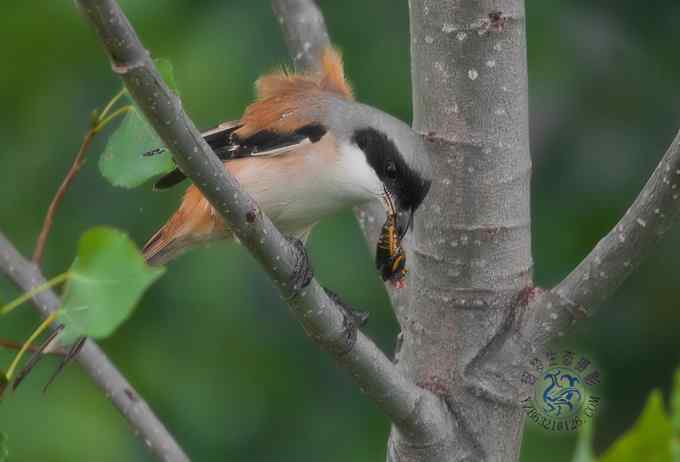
column 472, row 260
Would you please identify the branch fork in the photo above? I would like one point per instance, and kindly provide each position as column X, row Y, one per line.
column 323, row 320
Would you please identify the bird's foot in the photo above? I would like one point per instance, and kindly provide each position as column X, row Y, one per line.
column 303, row 273
column 358, row 318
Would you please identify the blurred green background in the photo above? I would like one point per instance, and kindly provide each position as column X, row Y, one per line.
column 211, row 346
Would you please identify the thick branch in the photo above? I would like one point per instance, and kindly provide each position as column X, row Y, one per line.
column 304, row 30
column 286, row 263
column 614, row 257
column 95, row 363
column 473, row 240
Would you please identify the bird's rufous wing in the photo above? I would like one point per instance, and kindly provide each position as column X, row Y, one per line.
column 285, row 116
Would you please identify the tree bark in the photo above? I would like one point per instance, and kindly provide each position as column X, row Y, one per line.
column 473, row 243
column 304, row 29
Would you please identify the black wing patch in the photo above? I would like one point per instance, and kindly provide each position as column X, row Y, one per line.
column 267, row 143
column 169, row 180
column 228, row 146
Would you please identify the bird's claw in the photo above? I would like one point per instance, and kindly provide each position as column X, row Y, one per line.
column 357, row 317
column 303, row 273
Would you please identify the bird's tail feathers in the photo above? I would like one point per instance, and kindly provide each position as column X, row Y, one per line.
column 166, row 245
column 161, row 248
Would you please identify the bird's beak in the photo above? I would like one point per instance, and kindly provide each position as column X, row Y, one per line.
column 404, row 216
column 404, row 222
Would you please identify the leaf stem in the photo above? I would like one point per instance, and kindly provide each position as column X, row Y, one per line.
column 41, row 328
column 97, row 125
column 12, row 345
column 105, row 121
column 109, row 105
column 36, row 290
column 59, row 196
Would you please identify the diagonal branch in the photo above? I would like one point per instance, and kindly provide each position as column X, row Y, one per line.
column 95, row 363
column 409, row 406
column 614, row 257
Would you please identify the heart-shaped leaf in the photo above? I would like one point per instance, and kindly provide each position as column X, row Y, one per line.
column 106, row 281
column 122, row 162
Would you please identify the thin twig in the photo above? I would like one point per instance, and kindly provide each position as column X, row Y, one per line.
column 95, row 363
column 323, row 320
column 102, row 120
column 48, row 342
column 105, row 120
column 70, row 355
column 59, row 196
column 12, row 345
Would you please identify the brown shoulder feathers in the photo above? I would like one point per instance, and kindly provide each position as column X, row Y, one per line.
column 286, row 102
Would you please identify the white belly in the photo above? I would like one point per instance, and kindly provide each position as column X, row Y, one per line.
column 299, row 188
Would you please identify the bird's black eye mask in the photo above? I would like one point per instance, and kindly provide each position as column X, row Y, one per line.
column 404, row 189
column 407, row 187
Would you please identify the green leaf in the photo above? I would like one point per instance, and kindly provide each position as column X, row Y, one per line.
column 675, row 422
column 648, row 440
column 106, row 281
column 584, row 445
column 122, row 162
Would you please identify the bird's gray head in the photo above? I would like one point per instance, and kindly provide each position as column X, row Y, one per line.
column 392, row 150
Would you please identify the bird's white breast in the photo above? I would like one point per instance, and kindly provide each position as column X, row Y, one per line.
column 299, row 188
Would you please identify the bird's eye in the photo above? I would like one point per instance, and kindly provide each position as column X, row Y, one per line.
column 391, row 170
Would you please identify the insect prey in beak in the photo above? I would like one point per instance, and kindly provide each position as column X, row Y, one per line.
column 390, row 258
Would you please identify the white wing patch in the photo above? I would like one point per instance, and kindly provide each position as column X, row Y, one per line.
column 282, row 149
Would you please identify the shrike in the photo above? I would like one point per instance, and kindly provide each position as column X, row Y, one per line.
column 305, row 149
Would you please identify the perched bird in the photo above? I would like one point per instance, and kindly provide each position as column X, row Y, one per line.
column 305, row 149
